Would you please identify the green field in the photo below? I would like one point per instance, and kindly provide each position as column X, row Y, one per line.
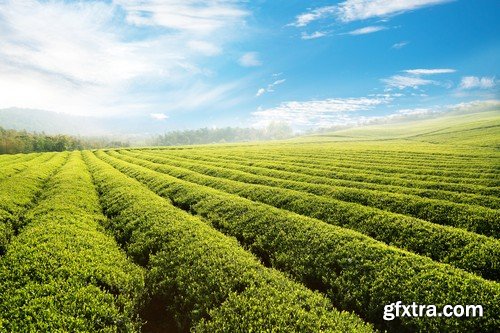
column 313, row 234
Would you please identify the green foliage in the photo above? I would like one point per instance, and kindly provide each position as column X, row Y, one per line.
column 13, row 142
column 433, row 210
column 356, row 272
column 19, row 165
column 19, row 191
column 290, row 314
column 467, row 250
column 200, row 274
column 62, row 273
column 232, row 238
column 6, row 160
column 274, row 131
column 363, row 177
column 256, row 163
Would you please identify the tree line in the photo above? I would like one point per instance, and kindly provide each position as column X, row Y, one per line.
column 274, row 131
column 14, row 141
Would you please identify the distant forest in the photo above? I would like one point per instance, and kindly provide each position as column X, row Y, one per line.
column 13, row 142
column 274, row 131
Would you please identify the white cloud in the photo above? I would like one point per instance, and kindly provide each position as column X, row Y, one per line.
column 158, row 116
column 195, row 16
column 304, row 19
column 422, row 71
column 400, row 45
column 414, row 78
column 474, row 82
column 199, row 94
column 260, row 92
column 477, row 105
column 77, row 57
column 415, row 112
column 314, row 35
column 473, row 106
column 354, row 10
column 402, row 82
column 204, row 47
column 317, row 112
column 366, row 30
column 270, row 87
column 386, row 95
column 250, row 59
column 275, row 83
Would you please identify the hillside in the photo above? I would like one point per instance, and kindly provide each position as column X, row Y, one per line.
column 472, row 129
column 61, row 123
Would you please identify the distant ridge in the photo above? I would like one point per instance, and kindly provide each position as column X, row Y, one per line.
column 473, row 128
column 49, row 122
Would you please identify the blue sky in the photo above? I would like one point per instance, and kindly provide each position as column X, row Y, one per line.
column 191, row 63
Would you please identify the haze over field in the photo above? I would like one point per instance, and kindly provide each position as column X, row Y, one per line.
column 144, row 67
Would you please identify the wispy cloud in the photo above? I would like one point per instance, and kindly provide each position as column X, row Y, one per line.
column 422, row 71
column 199, row 94
column 414, row 79
column 270, row 87
column 260, row 92
column 317, row 112
column 203, row 47
column 411, row 114
column 472, row 106
column 200, row 17
column 477, row 105
column 400, row 45
column 366, row 30
column 314, row 35
column 275, row 83
column 415, row 111
column 313, row 15
column 474, row 82
column 250, row 59
column 354, row 10
column 158, row 116
column 78, row 57
column 402, row 82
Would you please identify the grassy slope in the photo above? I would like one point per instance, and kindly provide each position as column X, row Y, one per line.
column 480, row 129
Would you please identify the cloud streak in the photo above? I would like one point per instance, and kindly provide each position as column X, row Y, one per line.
column 402, row 82
column 159, row 116
column 250, row 59
column 194, row 16
column 474, row 82
column 422, row 71
column 400, row 45
column 413, row 78
column 357, row 10
column 78, row 57
column 270, row 87
column 314, row 35
column 304, row 19
column 317, row 112
column 366, row 30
